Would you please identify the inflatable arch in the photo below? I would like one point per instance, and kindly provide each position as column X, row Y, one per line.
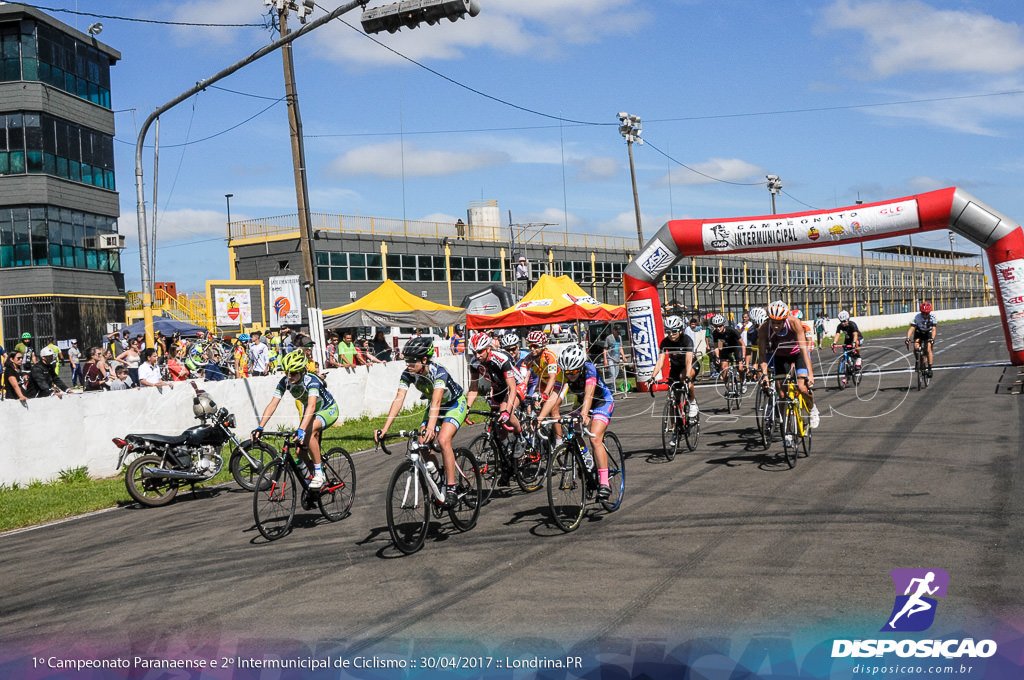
column 950, row 208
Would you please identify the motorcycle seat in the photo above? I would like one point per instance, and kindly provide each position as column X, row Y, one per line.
column 170, row 439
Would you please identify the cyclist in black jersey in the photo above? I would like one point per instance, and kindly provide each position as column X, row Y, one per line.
column 728, row 346
column 446, row 412
column 922, row 332
column 677, row 347
column 848, row 328
column 507, row 384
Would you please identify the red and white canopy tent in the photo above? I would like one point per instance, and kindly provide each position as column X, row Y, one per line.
column 551, row 300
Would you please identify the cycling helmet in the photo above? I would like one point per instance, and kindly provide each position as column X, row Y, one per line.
column 717, row 320
column 510, row 341
column 798, row 314
column 46, row 352
column 294, row 361
column 758, row 315
column 673, row 323
column 926, row 308
column 244, row 337
column 418, row 348
column 573, row 357
column 844, row 316
column 479, row 342
column 536, row 338
column 778, row 310
column 26, row 336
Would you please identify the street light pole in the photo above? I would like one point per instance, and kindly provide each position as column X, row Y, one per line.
column 231, row 264
column 774, row 187
column 631, row 129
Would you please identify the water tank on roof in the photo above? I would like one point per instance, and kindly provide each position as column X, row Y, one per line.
column 484, row 219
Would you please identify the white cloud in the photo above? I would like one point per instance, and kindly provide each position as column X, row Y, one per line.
column 914, row 36
column 728, row 169
column 596, row 168
column 950, row 110
column 535, row 27
column 213, row 12
column 177, row 225
column 389, row 160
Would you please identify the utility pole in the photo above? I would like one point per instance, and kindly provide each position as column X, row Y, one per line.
column 299, row 163
column 630, row 128
column 774, row 187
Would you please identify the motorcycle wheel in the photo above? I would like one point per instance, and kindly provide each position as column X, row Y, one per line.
column 151, row 491
column 243, row 471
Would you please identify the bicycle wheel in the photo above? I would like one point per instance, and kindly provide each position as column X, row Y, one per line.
column 670, row 429
column 485, row 452
column 691, row 430
column 151, row 491
column 244, row 472
column 339, row 489
column 567, row 487
column 768, row 420
column 616, row 472
column 408, row 508
column 530, row 468
column 273, row 501
column 468, row 484
column 789, row 436
column 841, row 373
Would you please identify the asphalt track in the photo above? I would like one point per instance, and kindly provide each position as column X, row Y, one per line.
column 722, row 545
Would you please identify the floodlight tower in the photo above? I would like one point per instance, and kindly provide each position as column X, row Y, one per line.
column 630, row 128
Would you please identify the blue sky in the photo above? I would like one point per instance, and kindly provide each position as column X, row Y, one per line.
column 842, row 99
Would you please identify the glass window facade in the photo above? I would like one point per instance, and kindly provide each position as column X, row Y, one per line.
column 334, row 266
column 38, row 143
column 30, row 50
column 56, row 237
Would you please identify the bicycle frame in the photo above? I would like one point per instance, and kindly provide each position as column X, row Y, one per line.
column 292, row 461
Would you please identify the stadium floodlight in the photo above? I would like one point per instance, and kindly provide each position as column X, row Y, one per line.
column 412, row 13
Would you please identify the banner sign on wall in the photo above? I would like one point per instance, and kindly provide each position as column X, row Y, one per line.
column 232, row 307
column 285, row 301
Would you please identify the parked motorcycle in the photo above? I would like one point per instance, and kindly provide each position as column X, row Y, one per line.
column 169, row 461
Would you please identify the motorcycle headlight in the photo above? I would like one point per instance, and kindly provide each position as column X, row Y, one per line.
column 229, row 421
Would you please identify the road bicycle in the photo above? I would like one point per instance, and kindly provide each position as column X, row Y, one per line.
column 496, row 452
column 572, row 479
column 766, row 410
column 921, row 366
column 676, row 424
column 278, row 487
column 730, row 384
column 847, row 370
column 416, row 491
column 794, row 421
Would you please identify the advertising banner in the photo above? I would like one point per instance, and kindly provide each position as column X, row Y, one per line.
column 285, row 301
column 232, row 306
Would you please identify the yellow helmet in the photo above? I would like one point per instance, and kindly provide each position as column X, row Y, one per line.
column 294, row 361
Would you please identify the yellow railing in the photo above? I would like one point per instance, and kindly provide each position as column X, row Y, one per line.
column 191, row 308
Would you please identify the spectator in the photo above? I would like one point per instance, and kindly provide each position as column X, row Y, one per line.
column 12, row 377
column 110, row 364
column 347, row 354
column 42, row 379
column 613, row 354
column 94, row 371
column 57, row 356
column 131, row 357
column 380, row 347
column 458, row 342
column 175, row 368
column 819, row 327
column 160, row 343
column 522, row 270
column 75, row 359
column 240, row 353
column 149, row 372
column 121, row 381
column 460, row 229
column 259, row 355
column 213, row 359
column 331, row 352
column 366, row 352
column 118, row 342
column 27, row 350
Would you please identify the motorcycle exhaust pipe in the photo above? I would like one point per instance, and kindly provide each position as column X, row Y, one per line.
column 163, row 473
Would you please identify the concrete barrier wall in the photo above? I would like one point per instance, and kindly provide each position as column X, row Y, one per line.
column 44, row 436
column 903, row 320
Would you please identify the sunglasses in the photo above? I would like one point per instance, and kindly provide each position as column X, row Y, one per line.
column 536, row 346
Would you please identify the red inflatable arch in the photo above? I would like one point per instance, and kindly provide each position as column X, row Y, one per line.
column 950, row 208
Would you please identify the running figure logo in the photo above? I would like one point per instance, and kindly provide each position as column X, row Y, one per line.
column 914, row 609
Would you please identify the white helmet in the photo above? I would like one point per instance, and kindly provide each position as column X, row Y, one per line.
column 509, row 340
column 572, row 358
column 673, row 323
column 480, row 341
column 844, row 316
column 778, row 310
column 718, row 320
column 758, row 315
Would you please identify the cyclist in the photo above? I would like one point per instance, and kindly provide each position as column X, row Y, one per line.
column 728, row 346
column 545, row 377
column 922, row 331
column 508, row 385
column 757, row 318
column 848, row 328
column 319, row 410
column 682, row 368
column 783, row 344
column 447, row 410
column 596, row 405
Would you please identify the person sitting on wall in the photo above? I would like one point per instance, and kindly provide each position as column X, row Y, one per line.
column 42, row 379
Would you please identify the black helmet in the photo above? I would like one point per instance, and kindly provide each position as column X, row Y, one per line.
column 418, row 348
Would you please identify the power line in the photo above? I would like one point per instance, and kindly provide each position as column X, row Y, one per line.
column 216, row 134
column 702, row 174
column 141, row 21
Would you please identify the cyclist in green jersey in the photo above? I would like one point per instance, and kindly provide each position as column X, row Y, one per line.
column 319, row 410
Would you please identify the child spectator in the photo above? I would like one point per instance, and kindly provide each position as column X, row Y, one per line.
column 122, row 381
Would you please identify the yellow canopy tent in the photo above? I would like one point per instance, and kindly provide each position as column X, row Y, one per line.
column 391, row 305
column 551, row 300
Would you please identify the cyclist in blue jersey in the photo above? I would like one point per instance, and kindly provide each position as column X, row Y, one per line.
column 318, row 408
column 447, row 409
column 596, row 405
